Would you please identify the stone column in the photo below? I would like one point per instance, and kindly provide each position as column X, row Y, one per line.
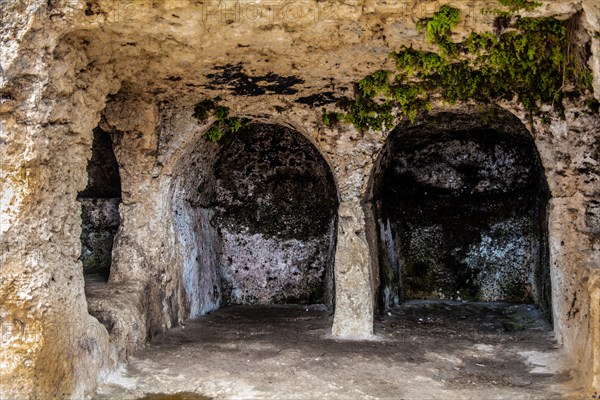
column 594, row 290
column 352, row 156
column 353, row 298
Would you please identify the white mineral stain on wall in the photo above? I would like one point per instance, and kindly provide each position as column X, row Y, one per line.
column 197, row 241
column 503, row 256
column 260, row 270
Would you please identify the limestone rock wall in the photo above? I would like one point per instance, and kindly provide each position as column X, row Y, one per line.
column 573, row 176
column 136, row 69
column 53, row 348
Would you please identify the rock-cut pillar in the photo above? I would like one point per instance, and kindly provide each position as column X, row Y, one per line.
column 353, row 300
column 594, row 290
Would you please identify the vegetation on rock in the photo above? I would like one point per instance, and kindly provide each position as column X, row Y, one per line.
column 224, row 124
column 531, row 60
column 514, row 6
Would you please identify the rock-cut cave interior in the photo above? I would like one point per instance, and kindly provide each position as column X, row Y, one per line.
column 299, row 199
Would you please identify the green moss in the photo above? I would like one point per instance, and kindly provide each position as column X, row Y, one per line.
column 221, row 112
column 374, row 84
column 533, row 63
column 519, row 5
column 330, row 118
column 511, row 7
column 213, row 134
column 234, row 124
column 224, row 125
column 410, row 61
column 366, row 112
column 439, row 27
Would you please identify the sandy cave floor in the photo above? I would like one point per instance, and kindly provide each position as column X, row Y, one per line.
column 423, row 350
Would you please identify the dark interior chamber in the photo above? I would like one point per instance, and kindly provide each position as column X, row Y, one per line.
column 275, row 213
column 460, row 206
column 100, row 206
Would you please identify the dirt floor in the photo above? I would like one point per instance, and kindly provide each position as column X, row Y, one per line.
column 422, row 350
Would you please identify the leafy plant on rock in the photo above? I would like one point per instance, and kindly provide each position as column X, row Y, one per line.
column 533, row 62
column 223, row 126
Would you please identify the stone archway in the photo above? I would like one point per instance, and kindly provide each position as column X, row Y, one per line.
column 276, row 210
column 460, row 204
column 256, row 219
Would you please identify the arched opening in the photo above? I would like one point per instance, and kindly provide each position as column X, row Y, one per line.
column 100, row 201
column 256, row 219
column 275, row 212
column 460, row 206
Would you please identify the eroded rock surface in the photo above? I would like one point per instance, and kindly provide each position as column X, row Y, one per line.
column 136, row 69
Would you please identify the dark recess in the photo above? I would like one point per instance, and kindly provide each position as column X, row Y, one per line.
column 100, row 199
column 102, row 169
column 460, row 206
column 272, row 181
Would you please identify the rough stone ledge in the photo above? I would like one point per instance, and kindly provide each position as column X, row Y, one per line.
column 120, row 307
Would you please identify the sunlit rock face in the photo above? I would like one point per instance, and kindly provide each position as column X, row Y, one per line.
column 463, row 213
